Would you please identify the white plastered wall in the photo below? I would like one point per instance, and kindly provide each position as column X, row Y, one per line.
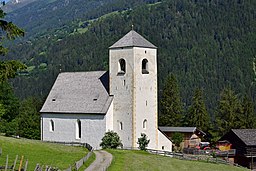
column 109, row 118
column 93, row 128
column 146, row 96
column 164, row 143
column 121, row 86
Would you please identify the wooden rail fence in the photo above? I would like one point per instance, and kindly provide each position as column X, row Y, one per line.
column 13, row 166
column 76, row 165
column 182, row 156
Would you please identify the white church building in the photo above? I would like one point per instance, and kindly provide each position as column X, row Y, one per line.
column 82, row 106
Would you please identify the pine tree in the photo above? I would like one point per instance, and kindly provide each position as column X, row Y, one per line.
column 229, row 113
column 248, row 113
column 9, row 31
column 171, row 106
column 197, row 114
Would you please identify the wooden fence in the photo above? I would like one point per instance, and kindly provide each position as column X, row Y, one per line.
column 182, row 156
column 76, row 165
column 194, row 151
column 13, row 167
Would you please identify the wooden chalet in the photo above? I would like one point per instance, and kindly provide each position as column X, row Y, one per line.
column 191, row 135
column 244, row 141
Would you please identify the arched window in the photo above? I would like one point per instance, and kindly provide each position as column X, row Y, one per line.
column 121, row 125
column 78, row 129
column 51, row 125
column 145, row 124
column 121, row 66
column 145, row 66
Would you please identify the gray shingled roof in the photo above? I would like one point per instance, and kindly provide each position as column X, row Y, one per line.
column 79, row 92
column 177, row 129
column 132, row 39
column 248, row 136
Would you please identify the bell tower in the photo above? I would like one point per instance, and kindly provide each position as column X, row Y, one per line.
column 133, row 83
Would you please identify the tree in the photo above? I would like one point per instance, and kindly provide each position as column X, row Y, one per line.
column 248, row 113
column 229, row 114
column 9, row 104
column 9, row 109
column 177, row 138
column 143, row 141
column 29, row 119
column 197, row 114
column 111, row 140
column 10, row 31
column 171, row 106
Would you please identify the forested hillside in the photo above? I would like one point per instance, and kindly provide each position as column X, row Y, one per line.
column 43, row 17
column 205, row 44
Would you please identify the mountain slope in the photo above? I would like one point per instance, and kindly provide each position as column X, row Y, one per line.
column 42, row 16
column 205, row 44
column 13, row 5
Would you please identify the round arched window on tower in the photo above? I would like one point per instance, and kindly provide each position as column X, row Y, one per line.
column 145, row 66
column 121, row 67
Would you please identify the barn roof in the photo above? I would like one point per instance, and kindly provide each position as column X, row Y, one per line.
column 177, row 129
column 248, row 136
column 180, row 129
column 79, row 92
column 132, row 39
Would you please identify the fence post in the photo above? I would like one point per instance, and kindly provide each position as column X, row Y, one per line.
column 6, row 164
column 14, row 164
column 21, row 163
column 36, row 168
column 26, row 165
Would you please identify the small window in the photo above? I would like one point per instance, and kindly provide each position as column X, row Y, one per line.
column 121, row 125
column 145, row 124
column 51, row 126
column 121, row 67
column 78, row 129
column 145, row 66
column 162, row 147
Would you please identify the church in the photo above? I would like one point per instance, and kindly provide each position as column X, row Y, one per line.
column 82, row 106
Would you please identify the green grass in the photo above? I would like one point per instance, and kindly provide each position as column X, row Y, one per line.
column 50, row 154
column 126, row 160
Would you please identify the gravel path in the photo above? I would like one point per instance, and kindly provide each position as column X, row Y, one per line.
column 103, row 160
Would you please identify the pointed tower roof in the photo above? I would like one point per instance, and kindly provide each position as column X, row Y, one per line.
column 132, row 39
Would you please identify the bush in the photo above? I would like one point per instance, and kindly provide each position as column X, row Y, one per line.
column 111, row 140
column 143, row 142
column 177, row 138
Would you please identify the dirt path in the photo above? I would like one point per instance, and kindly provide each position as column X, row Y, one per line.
column 103, row 160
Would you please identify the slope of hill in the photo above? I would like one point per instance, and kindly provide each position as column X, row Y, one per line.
column 13, row 5
column 42, row 16
column 207, row 44
column 35, row 151
column 140, row 160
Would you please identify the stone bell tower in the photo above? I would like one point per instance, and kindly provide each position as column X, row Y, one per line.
column 133, row 83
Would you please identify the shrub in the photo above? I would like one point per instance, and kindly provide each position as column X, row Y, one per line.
column 177, row 138
column 111, row 140
column 143, row 141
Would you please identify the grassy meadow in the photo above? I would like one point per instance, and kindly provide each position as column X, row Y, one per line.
column 126, row 160
column 35, row 151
